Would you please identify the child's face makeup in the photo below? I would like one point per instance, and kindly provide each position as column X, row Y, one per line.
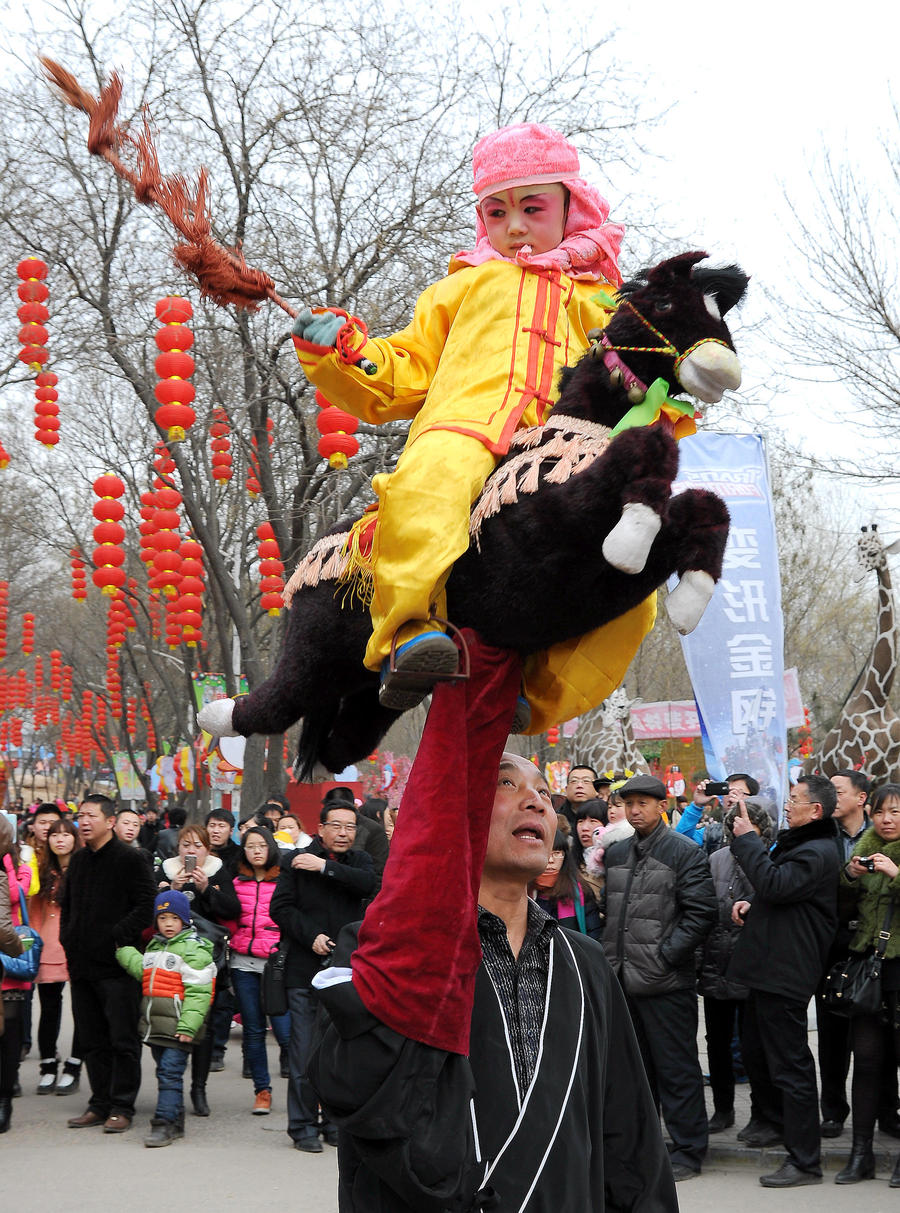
column 533, row 215
column 169, row 925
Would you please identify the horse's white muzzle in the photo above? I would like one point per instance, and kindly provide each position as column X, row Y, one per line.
column 709, row 370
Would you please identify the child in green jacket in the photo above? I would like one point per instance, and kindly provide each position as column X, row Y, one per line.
column 178, row 976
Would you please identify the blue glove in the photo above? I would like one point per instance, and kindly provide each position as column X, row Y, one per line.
column 321, row 329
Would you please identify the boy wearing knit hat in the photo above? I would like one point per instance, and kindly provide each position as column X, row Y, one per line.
column 480, row 359
column 178, row 974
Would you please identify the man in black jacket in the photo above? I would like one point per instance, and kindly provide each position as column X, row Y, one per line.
column 107, row 901
column 660, row 905
column 320, row 889
column 780, row 956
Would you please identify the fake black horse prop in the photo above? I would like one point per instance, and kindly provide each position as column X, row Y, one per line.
column 571, row 490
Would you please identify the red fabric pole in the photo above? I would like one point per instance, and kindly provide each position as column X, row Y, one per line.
column 419, row 949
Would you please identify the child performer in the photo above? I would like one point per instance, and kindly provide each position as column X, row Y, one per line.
column 178, row 976
column 480, row 360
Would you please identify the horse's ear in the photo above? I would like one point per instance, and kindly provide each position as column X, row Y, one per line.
column 727, row 284
column 674, row 268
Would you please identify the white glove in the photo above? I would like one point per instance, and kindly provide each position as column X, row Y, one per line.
column 215, row 718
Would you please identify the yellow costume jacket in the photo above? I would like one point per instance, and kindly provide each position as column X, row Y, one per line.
column 481, row 356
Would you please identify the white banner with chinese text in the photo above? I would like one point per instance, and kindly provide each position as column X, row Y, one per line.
column 735, row 657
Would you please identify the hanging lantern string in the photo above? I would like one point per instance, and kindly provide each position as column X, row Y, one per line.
column 222, row 273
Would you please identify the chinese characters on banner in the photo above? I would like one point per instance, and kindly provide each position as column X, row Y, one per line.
column 735, row 657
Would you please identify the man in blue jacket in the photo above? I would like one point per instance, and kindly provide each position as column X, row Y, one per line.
column 780, row 957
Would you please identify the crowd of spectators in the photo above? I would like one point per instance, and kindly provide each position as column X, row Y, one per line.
column 162, row 930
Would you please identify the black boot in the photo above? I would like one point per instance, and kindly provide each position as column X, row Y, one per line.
column 860, row 1164
column 198, row 1101
column 893, row 1182
column 5, row 1113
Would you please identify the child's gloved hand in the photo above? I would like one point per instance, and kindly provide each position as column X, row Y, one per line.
column 318, row 329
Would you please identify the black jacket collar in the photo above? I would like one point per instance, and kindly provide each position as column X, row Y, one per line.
column 811, row 832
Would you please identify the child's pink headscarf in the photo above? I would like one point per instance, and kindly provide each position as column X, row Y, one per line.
column 533, row 154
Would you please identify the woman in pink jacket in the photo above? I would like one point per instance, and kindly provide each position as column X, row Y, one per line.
column 63, row 840
column 251, row 944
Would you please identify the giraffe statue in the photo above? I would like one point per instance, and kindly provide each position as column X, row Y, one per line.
column 867, row 732
column 605, row 739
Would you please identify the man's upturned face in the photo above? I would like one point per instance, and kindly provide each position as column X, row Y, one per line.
column 850, row 800
column 643, row 812
column 523, row 822
column 580, row 786
column 800, row 810
column 338, row 832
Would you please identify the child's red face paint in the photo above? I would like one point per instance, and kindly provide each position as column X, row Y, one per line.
column 527, row 215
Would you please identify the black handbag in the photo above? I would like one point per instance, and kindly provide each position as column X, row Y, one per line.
column 273, row 993
column 853, row 986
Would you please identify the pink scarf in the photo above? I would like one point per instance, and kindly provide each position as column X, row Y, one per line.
column 589, row 249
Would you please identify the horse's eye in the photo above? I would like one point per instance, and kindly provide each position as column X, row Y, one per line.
column 663, row 307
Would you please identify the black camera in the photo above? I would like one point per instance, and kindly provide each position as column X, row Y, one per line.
column 868, row 863
column 715, row 788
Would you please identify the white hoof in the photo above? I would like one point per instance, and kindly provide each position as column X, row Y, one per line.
column 215, row 718
column 689, row 600
column 628, row 544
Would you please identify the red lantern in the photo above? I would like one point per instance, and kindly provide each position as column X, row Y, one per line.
column 33, row 293
column 79, row 577
column 175, row 367
column 4, row 613
column 4, row 457
column 46, row 410
column 109, row 557
column 190, row 602
column 337, row 428
column 55, row 669
column 271, row 581
column 253, row 485
column 221, row 446
column 552, row 735
column 27, row 633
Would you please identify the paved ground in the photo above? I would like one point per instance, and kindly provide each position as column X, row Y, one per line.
column 246, row 1162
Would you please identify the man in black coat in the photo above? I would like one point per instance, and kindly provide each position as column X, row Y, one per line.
column 107, row 902
column 780, row 957
column 660, row 905
column 320, row 889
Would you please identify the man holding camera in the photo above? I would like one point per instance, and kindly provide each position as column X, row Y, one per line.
column 780, row 956
column 320, row 889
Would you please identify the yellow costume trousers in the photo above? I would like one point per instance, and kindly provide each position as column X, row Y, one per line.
column 423, row 527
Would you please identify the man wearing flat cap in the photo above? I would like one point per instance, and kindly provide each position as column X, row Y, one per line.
column 660, row 904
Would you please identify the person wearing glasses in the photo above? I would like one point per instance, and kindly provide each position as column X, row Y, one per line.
column 320, row 889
